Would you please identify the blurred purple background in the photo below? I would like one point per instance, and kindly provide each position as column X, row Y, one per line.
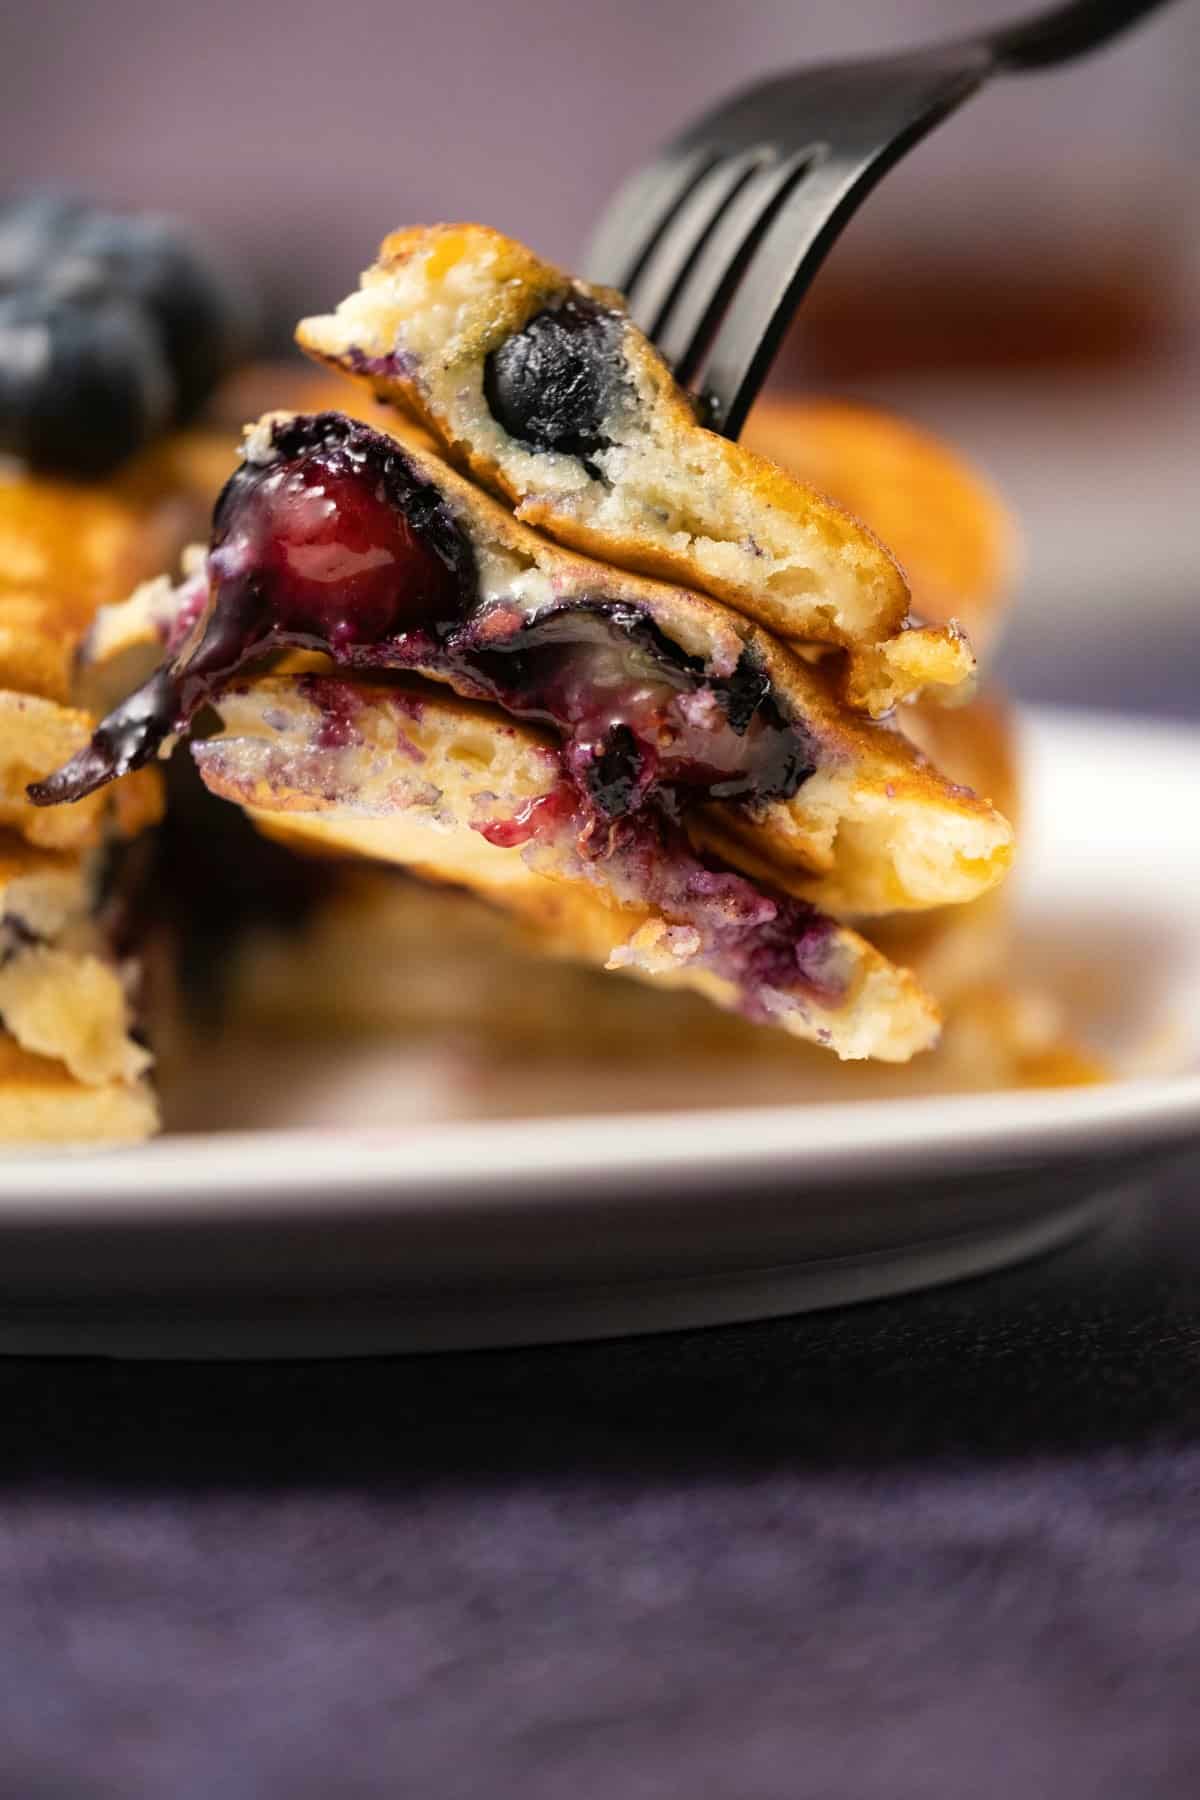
column 297, row 133
column 1027, row 280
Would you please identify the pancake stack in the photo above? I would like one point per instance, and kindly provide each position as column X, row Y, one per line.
column 535, row 633
column 72, row 1063
column 114, row 329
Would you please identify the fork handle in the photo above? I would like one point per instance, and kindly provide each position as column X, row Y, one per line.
column 1067, row 32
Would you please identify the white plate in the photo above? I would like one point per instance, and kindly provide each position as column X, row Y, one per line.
column 455, row 1233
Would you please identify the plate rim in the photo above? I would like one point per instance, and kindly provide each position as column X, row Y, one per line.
column 477, row 1161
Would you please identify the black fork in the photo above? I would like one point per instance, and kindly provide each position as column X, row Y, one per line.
column 716, row 240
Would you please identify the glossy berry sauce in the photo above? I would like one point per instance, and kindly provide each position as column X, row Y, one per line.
column 544, row 813
column 321, row 554
column 637, row 715
column 337, row 544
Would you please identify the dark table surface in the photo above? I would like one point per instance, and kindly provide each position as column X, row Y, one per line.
column 941, row 1546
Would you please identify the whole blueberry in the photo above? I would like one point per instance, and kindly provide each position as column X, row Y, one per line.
column 33, row 231
column 83, row 382
column 550, row 385
column 150, row 260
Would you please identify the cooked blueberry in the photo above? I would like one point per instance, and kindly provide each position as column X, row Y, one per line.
column 335, row 544
column 339, row 539
column 33, row 231
column 83, row 384
column 551, row 384
column 152, row 262
column 744, row 692
column 615, row 775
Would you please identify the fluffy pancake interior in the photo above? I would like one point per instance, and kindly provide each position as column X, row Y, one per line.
column 62, row 988
column 416, row 776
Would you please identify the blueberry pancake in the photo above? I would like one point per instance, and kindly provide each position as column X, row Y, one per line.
column 442, row 961
column 512, row 974
column 102, row 345
column 71, row 1065
column 336, row 538
column 453, row 790
column 544, row 389
column 951, row 533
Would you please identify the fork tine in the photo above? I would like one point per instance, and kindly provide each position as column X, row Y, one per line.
column 887, row 119
column 638, row 212
column 666, row 264
column 709, row 281
column 784, row 261
column 716, row 242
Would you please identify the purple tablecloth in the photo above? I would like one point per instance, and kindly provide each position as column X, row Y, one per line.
column 944, row 1546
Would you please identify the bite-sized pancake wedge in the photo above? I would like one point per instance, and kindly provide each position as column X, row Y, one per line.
column 545, row 389
column 337, row 538
column 412, row 774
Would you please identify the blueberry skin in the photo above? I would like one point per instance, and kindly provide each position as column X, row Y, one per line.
column 151, row 261
column 83, row 382
column 33, row 232
column 550, row 385
column 614, row 776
